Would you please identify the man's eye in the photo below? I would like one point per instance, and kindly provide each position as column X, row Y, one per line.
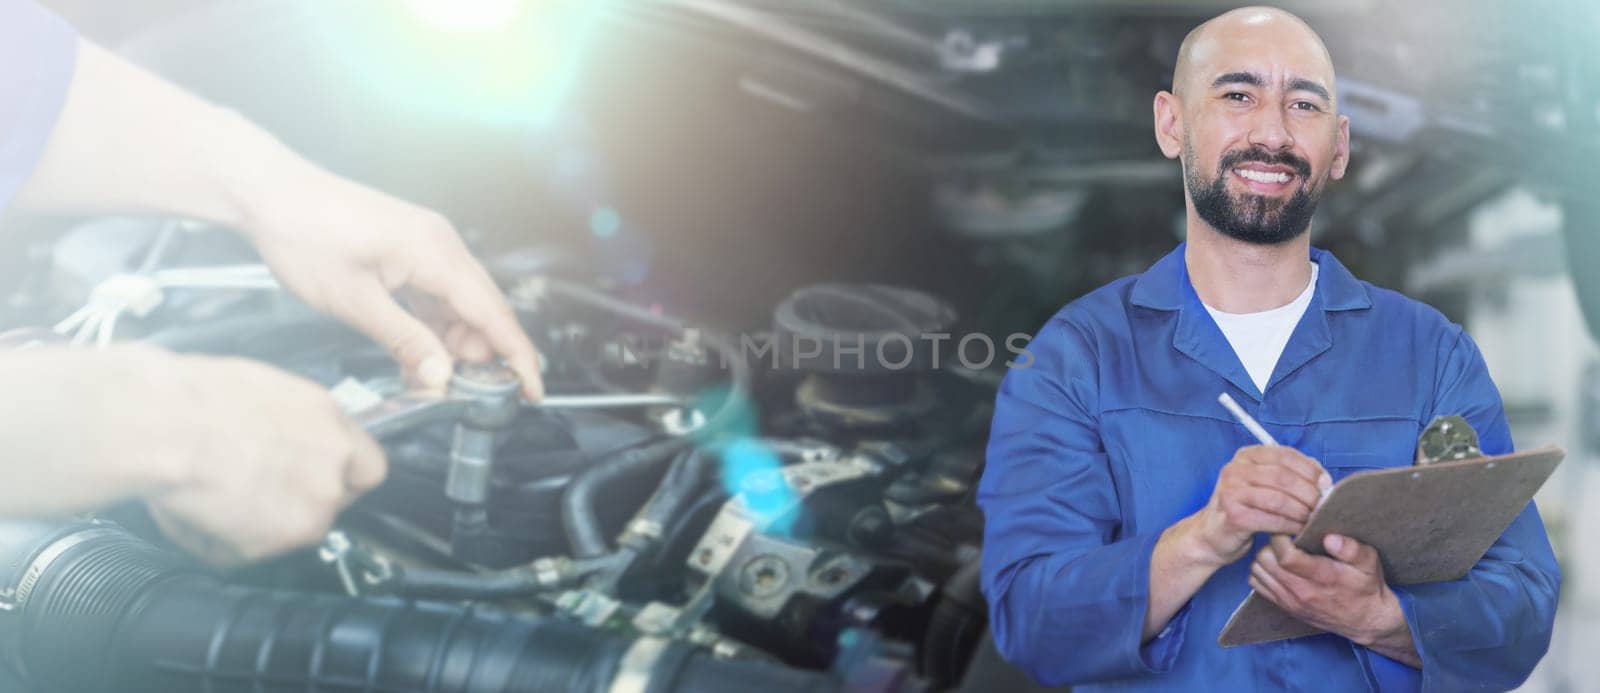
column 1305, row 106
column 1236, row 96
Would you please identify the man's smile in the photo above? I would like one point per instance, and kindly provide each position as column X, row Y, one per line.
column 1265, row 179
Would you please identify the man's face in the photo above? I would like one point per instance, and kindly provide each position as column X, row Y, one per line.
column 1260, row 136
column 1254, row 195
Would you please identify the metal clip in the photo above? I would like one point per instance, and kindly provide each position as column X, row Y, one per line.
column 1447, row 439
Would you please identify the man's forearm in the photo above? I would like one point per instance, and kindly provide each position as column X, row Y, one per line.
column 1179, row 567
column 128, row 142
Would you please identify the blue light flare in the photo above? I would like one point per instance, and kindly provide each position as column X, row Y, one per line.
column 753, row 470
column 605, row 222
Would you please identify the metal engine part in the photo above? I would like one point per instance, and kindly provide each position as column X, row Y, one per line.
column 865, row 350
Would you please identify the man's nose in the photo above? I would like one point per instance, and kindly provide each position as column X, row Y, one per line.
column 1270, row 130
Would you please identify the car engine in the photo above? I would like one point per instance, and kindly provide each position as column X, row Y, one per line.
column 688, row 509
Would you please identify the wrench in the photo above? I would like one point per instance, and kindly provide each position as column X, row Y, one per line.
column 486, row 393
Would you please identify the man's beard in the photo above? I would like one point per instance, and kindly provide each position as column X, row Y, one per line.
column 1249, row 217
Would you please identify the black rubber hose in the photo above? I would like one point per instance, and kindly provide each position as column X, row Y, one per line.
column 954, row 628
column 105, row 611
column 454, row 584
column 678, row 488
column 679, row 536
column 521, row 581
column 580, row 502
column 579, row 514
column 112, row 613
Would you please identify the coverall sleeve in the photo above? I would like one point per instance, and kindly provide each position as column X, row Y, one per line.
column 1067, row 593
column 1487, row 630
column 37, row 53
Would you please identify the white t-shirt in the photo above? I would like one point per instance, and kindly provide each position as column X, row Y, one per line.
column 1259, row 338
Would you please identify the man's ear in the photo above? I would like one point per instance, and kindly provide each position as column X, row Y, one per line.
column 1169, row 124
column 1341, row 149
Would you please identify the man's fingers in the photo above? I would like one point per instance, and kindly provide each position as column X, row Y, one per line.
column 1340, row 548
column 1254, row 520
column 373, row 311
column 1285, row 480
column 1275, row 561
column 467, row 289
column 1262, row 581
column 210, row 550
column 1290, row 504
column 367, row 466
column 1319, row 570
column 468, row 344
column 1275, row 502
column 1283, row 549
column 1293, row 460
column 1352, row 553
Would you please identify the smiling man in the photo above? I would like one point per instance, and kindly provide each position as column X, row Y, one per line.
column 1128, row 514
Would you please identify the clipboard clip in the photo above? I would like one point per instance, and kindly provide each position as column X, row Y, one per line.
column 1447, row 439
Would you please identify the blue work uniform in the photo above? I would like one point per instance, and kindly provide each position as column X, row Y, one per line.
column 37, row 54
column 1113, row 432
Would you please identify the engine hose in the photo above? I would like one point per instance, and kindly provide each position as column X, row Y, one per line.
column 580, row 515
column 954, row 628
column 455, row 584
column 686, row 527
column 677, row 490
column 583, row 493
column 646, row 532
column 499, row 584
column 95, row 609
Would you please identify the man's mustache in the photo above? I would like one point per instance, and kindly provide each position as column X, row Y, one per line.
column 1234, row 158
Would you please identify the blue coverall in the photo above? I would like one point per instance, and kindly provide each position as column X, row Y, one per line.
column 1113, row 433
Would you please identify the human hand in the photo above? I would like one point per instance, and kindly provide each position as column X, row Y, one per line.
column 1343, row 592
column 345, row 249
column 235, row 459
column 1262, row 489
column 269, row 464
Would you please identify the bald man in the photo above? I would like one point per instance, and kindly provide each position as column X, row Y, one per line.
column 1128, row 514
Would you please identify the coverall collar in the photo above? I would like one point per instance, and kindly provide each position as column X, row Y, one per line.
column 1166, row 287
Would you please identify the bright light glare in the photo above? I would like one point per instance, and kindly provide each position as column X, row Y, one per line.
column 501, row 62
column 466, row 15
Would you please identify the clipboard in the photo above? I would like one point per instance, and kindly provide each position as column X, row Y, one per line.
column 1428, row 523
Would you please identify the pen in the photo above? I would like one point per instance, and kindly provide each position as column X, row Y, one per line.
column 1250, row 424
column 1256, row 430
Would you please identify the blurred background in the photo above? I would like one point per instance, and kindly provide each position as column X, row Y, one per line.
column 714, row 155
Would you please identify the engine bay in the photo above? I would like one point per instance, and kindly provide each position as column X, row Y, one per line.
column 796, row 500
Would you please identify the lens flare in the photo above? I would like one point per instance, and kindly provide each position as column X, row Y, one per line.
column 498, row 62
column 605, row 222
column 466, row 15
column 751, row 470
